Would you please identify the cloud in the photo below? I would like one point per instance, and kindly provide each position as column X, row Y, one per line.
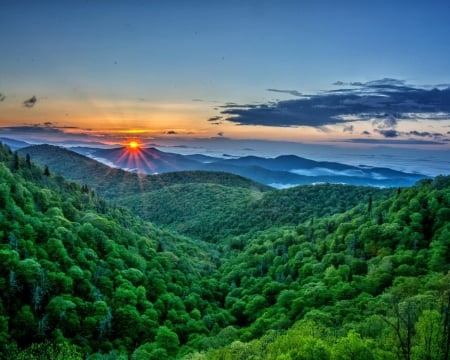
column 365, row 132
column 389, row 133
column 215, row 118
column 32, row 129
column 171, row 132
column 394, row 141
column 290, row 92
column 29, row 103
column 420, row 133
column 348, row 128
column 220, row 134
column 392, row 133
column 387, row 122
column 2, row 97
column 383, row 102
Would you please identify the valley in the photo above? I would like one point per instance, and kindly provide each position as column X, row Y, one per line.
column 110, row 264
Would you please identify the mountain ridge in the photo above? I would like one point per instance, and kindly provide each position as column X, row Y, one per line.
column 110, row 182
column 281, row 171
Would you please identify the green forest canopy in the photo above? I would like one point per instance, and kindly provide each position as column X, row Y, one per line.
column 300, row 279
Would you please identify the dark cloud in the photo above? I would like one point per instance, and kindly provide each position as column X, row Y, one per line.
column 34, row 129
column 365, row 132
column 394, row 141
column 220, row 134
column 425, row 134
column 2, row 97
column 215, row 118
column 29, row 103
column 420, row 133
column 171, row 132
column 383, row 102
column 290, row 92
column 389, row 133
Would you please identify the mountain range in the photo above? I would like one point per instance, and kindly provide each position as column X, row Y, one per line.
column 279, row 172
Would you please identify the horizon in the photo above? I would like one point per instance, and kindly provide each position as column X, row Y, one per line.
column 430, row 163
column 326, row 80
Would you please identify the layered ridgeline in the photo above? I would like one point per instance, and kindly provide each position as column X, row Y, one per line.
column 364, row 280
column 280, row 172
column 111, row 183
column 203, row 204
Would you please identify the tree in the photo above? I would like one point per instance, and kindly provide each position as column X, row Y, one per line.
column 428, row 337
column 167, row 339
column 352, row 347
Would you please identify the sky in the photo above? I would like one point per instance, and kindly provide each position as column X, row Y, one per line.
column 198, row 74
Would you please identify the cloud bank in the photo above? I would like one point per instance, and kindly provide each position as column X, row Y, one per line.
column 383, row 103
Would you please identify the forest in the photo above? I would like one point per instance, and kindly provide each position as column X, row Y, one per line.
column 221, row 269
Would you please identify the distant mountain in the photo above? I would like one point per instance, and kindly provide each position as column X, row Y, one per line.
column 14, row 144
column 113, row 183
column 282, row 171
column 146, row 160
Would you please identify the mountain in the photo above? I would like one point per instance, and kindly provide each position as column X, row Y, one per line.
column 14, row 144
column 207, row 205
column 146, row 160
column 113, row 183
column 282, row 171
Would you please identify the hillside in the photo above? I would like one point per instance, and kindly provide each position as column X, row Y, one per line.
column 89, row 278
column 213, row 212
column 370, row 283
column 333, row 273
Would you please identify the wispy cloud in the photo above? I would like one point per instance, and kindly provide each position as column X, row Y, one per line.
column 394, row 141
column 29, row 103
column 32, row 129
column 290, row 92
column 216, row 120
column 2, row 97
column 348, row 129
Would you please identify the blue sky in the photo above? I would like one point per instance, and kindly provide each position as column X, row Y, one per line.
column 178, row 71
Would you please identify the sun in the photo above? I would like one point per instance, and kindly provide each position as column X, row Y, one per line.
column 133, row 145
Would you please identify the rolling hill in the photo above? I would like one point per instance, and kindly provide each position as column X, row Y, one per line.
column 207, row 205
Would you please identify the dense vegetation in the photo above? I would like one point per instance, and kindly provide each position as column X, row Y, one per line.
column 346, row 273
column 222, row 211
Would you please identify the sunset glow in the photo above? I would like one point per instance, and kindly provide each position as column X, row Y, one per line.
column 260, row 85
column 133, row 145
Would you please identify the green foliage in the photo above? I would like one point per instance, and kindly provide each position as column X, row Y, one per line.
column 314, row 272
